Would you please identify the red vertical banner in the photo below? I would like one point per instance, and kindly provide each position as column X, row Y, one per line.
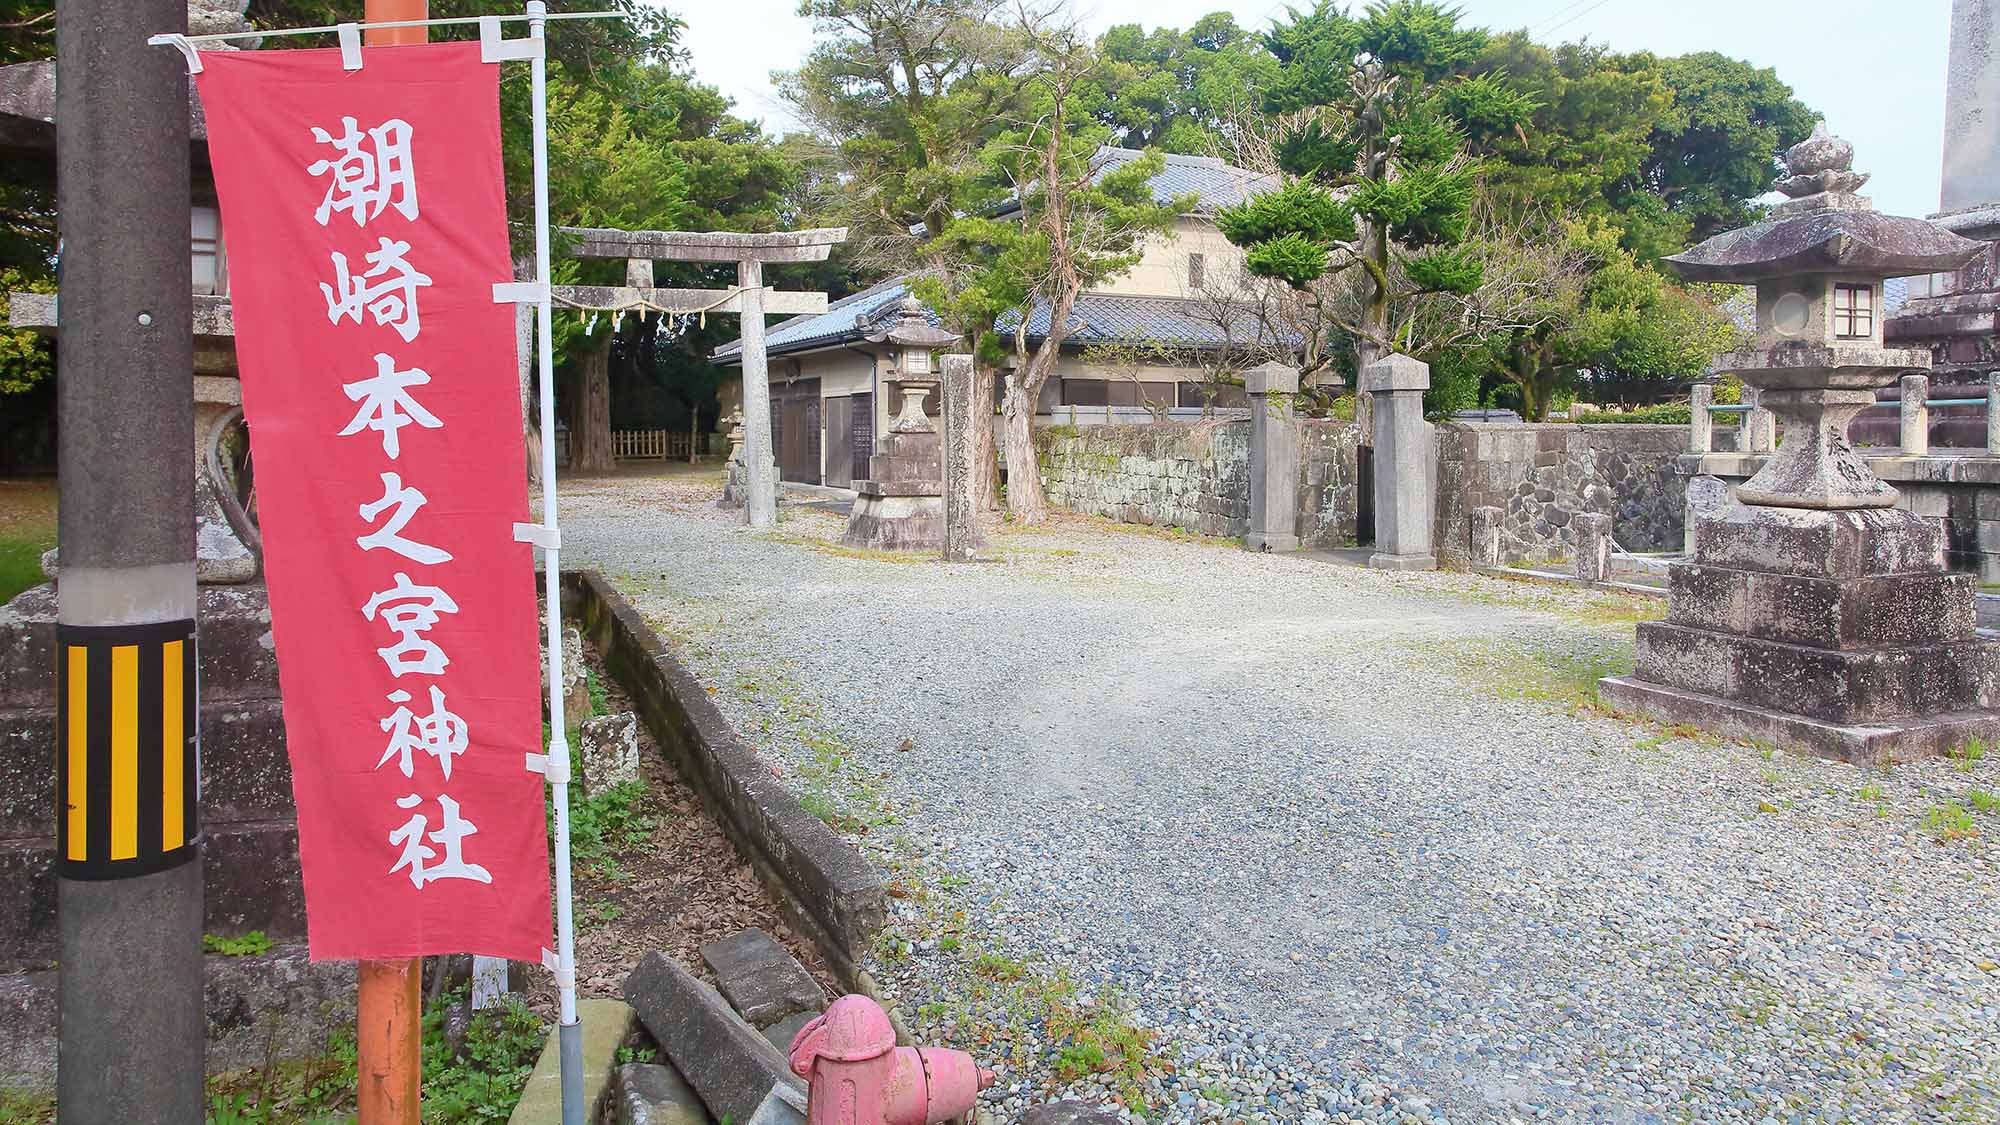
column 364, row 216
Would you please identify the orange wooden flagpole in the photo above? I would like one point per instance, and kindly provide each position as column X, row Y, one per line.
column 389, row 1012
column 388, row 1042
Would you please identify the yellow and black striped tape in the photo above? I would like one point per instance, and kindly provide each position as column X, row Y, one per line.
column 127, row 749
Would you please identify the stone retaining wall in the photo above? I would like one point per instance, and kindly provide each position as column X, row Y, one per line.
column 835, row 894
column 1196, row 476
column 1542, row 476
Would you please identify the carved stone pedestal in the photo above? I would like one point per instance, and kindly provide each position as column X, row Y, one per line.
column 900, row 507
column 1837, row 632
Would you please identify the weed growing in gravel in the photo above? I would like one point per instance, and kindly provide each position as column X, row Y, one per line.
column 1968, row 755
column 1950, row 821
column 1984, row 800
column 1869, row 792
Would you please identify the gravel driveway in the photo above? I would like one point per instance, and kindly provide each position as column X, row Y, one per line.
column 1353, row 845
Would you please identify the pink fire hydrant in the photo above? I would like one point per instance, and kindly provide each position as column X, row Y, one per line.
column 859, row 1076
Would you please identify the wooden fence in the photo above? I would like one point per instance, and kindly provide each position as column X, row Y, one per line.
column 636, row 445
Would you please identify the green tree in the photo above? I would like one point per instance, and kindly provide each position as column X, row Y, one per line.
column 1372, row 140
column 1717, row 149
column 1073, row 220
column 905, row 94
column 1184, row 92
column 1623, row 320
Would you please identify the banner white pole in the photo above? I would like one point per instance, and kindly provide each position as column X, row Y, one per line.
column 569, row 1034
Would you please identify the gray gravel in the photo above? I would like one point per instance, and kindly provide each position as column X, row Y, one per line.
column 1322, row 833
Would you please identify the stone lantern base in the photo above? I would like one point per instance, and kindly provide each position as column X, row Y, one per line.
column 1835, row 632
column 901, row 506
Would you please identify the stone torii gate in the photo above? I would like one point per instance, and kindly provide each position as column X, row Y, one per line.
column 750, row 300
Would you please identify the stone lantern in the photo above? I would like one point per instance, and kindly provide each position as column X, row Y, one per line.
column 1815, row 613
column 912, row 340
column 900, row 507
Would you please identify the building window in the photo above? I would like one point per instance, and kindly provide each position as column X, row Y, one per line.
column 1195, row 264
column 1086, row 392
column 211, row 275
column 1853, row 312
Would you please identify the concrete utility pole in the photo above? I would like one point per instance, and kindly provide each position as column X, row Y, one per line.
column 129, row 890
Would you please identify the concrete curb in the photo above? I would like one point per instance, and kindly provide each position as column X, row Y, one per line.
column 835, row 894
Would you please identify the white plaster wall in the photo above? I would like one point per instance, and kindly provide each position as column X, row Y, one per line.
column 1163, row 270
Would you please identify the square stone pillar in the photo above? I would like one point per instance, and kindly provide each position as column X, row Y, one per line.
column 1701, row 423
column 1274, row 458
column 1486, row 536
column 1593, row 546
column 1403, row 460
column 1916, row 415
column 961, row 459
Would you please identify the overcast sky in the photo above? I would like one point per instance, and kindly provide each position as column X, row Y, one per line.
column 1875, row 68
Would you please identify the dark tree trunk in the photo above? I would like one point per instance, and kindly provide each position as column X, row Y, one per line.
column 590, row 431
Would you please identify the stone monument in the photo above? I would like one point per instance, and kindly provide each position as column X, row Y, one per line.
column 900, row 507
column 1814, row 613
column 1955, row 315
column 961, row 458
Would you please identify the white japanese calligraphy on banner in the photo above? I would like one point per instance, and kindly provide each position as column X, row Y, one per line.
column 365, row 213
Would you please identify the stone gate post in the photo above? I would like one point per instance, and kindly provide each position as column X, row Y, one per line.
column 1403, row 458
column 1274, row 458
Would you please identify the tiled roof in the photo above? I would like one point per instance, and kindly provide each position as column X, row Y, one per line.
column 843, row 321
column 1214, row 183
column 1097, row 318
column 1109, row 318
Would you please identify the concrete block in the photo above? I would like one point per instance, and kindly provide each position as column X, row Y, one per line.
column 1872, row 744
column 1071, row 1113
column 655, row 1094
column 727, row 1062
column 781, row 1034
column 761, row 980
column 606, row 1024
column 1593, row 544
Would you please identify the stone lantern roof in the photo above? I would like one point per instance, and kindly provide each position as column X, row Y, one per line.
column 912, row 328
column 1824, row 228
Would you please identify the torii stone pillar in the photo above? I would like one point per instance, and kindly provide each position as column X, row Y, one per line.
column 750, row 300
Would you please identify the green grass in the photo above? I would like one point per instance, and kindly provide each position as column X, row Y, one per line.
column 1984, row 800
column 480, row 1083
column 1969, row 755
column 253, row 944
column 27, row 528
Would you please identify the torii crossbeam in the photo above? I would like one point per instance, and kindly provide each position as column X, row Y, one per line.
column 750, row 300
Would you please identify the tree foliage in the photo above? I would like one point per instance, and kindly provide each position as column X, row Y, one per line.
column 1184, row 92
